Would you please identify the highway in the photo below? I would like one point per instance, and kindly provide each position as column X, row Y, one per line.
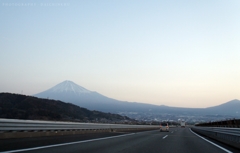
column 178, row 140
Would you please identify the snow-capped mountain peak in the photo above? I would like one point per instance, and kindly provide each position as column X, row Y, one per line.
column 68, row 86
column 68, row 91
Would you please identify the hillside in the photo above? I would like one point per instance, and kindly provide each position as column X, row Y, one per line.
column 17, row 106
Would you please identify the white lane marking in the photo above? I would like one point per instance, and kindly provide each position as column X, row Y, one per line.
column 165, row 136
column 211, row 142
column 65, row 144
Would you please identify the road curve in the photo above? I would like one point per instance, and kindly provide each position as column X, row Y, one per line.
column 178, row 140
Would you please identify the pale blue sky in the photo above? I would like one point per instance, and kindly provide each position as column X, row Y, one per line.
column 178, row 53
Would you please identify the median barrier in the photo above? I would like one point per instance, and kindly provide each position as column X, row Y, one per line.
column 14, row 128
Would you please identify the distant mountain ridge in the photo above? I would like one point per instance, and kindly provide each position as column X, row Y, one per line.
column 231, row 106
column 68, row 91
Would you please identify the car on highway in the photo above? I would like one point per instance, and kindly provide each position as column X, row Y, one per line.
column 183, row 124
column 164, row 127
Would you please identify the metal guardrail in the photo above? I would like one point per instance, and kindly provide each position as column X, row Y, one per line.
column 230, row 136
column 14, row 128
column 32, row 125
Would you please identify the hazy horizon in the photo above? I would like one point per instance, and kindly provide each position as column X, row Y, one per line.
column 118, row 99
column 174, row 53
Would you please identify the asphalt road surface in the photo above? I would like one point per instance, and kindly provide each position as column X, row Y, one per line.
column 178, row 140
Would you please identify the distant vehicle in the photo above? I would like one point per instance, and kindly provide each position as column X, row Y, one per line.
column 183, row 124
column 164, row 127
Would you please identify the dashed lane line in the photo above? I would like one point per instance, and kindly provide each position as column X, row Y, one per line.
column 165, row 136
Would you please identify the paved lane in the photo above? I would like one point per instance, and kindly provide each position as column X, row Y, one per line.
column 178, row 140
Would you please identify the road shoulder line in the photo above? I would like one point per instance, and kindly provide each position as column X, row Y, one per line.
column 211, row 142
column 65, row 144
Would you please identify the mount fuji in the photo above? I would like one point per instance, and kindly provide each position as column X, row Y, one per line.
column 68, row 91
